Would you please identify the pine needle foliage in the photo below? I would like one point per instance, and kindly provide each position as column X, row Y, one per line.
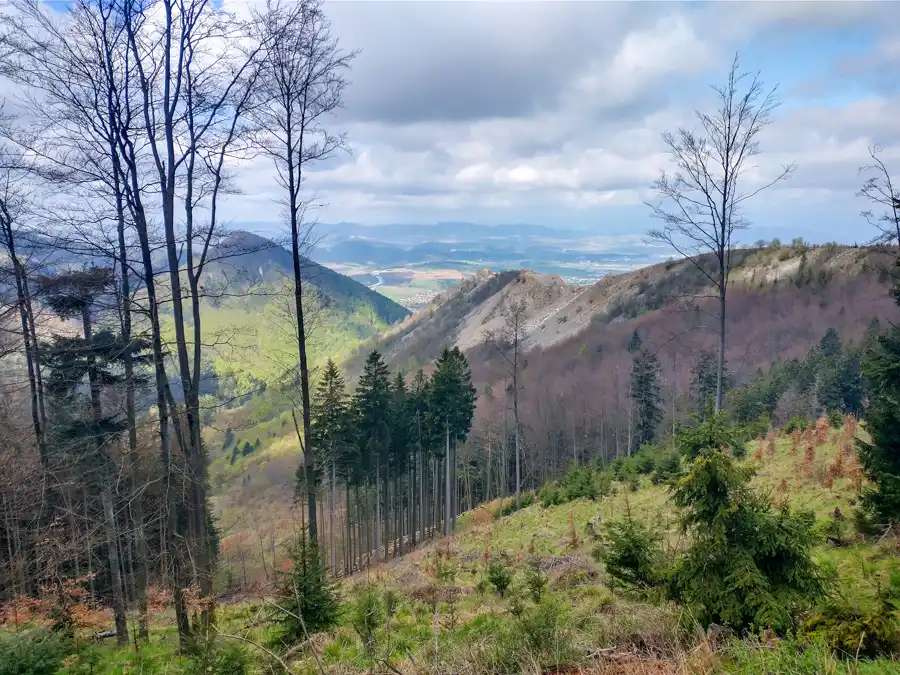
column 880, row 458
column 749, row 564
column 632, row 554
column 305, row 592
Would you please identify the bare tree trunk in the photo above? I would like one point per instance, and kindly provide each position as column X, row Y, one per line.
column 720, row 363
column 447, row 489
column 332, row 505
column 108, row 477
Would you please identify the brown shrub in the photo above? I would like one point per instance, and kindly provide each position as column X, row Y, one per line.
column 822, row 431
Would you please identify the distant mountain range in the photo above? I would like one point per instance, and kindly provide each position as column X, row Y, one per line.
column 458, row 244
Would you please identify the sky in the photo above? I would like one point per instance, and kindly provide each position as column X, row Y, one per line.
column 551, row 113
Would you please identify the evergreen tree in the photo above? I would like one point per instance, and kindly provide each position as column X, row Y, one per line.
column 306, row 598
column 371, row 417
column 646, row 397
column 880, row 457
column 830, row 344
column 451, row 407
column 400, row 407
column 330, row 422
column 634, row 344
column 82, row 428
column 827, row 364
column 369, row 408
column 398, row 458
column 749, row 566
column 422, row 442
column 703, row 383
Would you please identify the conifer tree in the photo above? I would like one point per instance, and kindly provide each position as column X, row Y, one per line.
column 329, row 422
column 646, row 397
column 307, row 601
column 704, row 379
column 452, row 407
column 749, row 566
column 880, row 457
column 398, row 459
column 82, row 427
column 422, row 441
column 371, row 403
column 330, row 434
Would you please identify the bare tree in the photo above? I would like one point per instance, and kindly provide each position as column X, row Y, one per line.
column 12, row 203
column 701, row 203
column 302, row 84
column 884, row 195
column 507, row 342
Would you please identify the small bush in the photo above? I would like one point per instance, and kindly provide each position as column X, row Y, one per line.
column 38, row 652
column 850, row 631
column 632, row 554
column 215, row 656
column 535, row 580
column 499, row 574
column 538, row 635
column 667, row 468
column 510, row 507
column 836, row 419
column 796, row 422
column 367, row 616
column 304, row 591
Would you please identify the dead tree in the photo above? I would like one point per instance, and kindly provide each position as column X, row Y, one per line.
column 507, row 342
column 884, row 196
column 701, row 203
column 302, row 82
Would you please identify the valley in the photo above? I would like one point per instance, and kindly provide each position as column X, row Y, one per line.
column 413, row 268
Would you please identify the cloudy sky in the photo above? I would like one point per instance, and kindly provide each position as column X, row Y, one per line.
column 551, row 112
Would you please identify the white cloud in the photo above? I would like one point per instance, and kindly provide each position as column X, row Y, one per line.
column 553, row 111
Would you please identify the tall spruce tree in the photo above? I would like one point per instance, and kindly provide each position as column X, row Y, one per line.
column 646, row 397
column 330, row 422
column 330, row 432
column 398, row 460
column 880, row 457
column 422, row 440
column 371, row 405
column 704, row 380
column 82, row 428
column 452, row 407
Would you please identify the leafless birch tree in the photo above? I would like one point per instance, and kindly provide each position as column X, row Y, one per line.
column 701, row 202
column 302, row 84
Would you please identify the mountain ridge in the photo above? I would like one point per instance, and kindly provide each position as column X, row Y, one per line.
column 558, row 312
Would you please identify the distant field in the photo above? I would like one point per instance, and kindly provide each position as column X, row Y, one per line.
column 412, row 287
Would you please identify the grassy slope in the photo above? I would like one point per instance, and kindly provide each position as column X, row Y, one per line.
column 631, row 636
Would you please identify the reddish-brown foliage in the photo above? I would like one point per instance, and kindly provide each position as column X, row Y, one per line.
column 822, row 430
column 809, row 456
column 836, row 468
column 64, row 600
